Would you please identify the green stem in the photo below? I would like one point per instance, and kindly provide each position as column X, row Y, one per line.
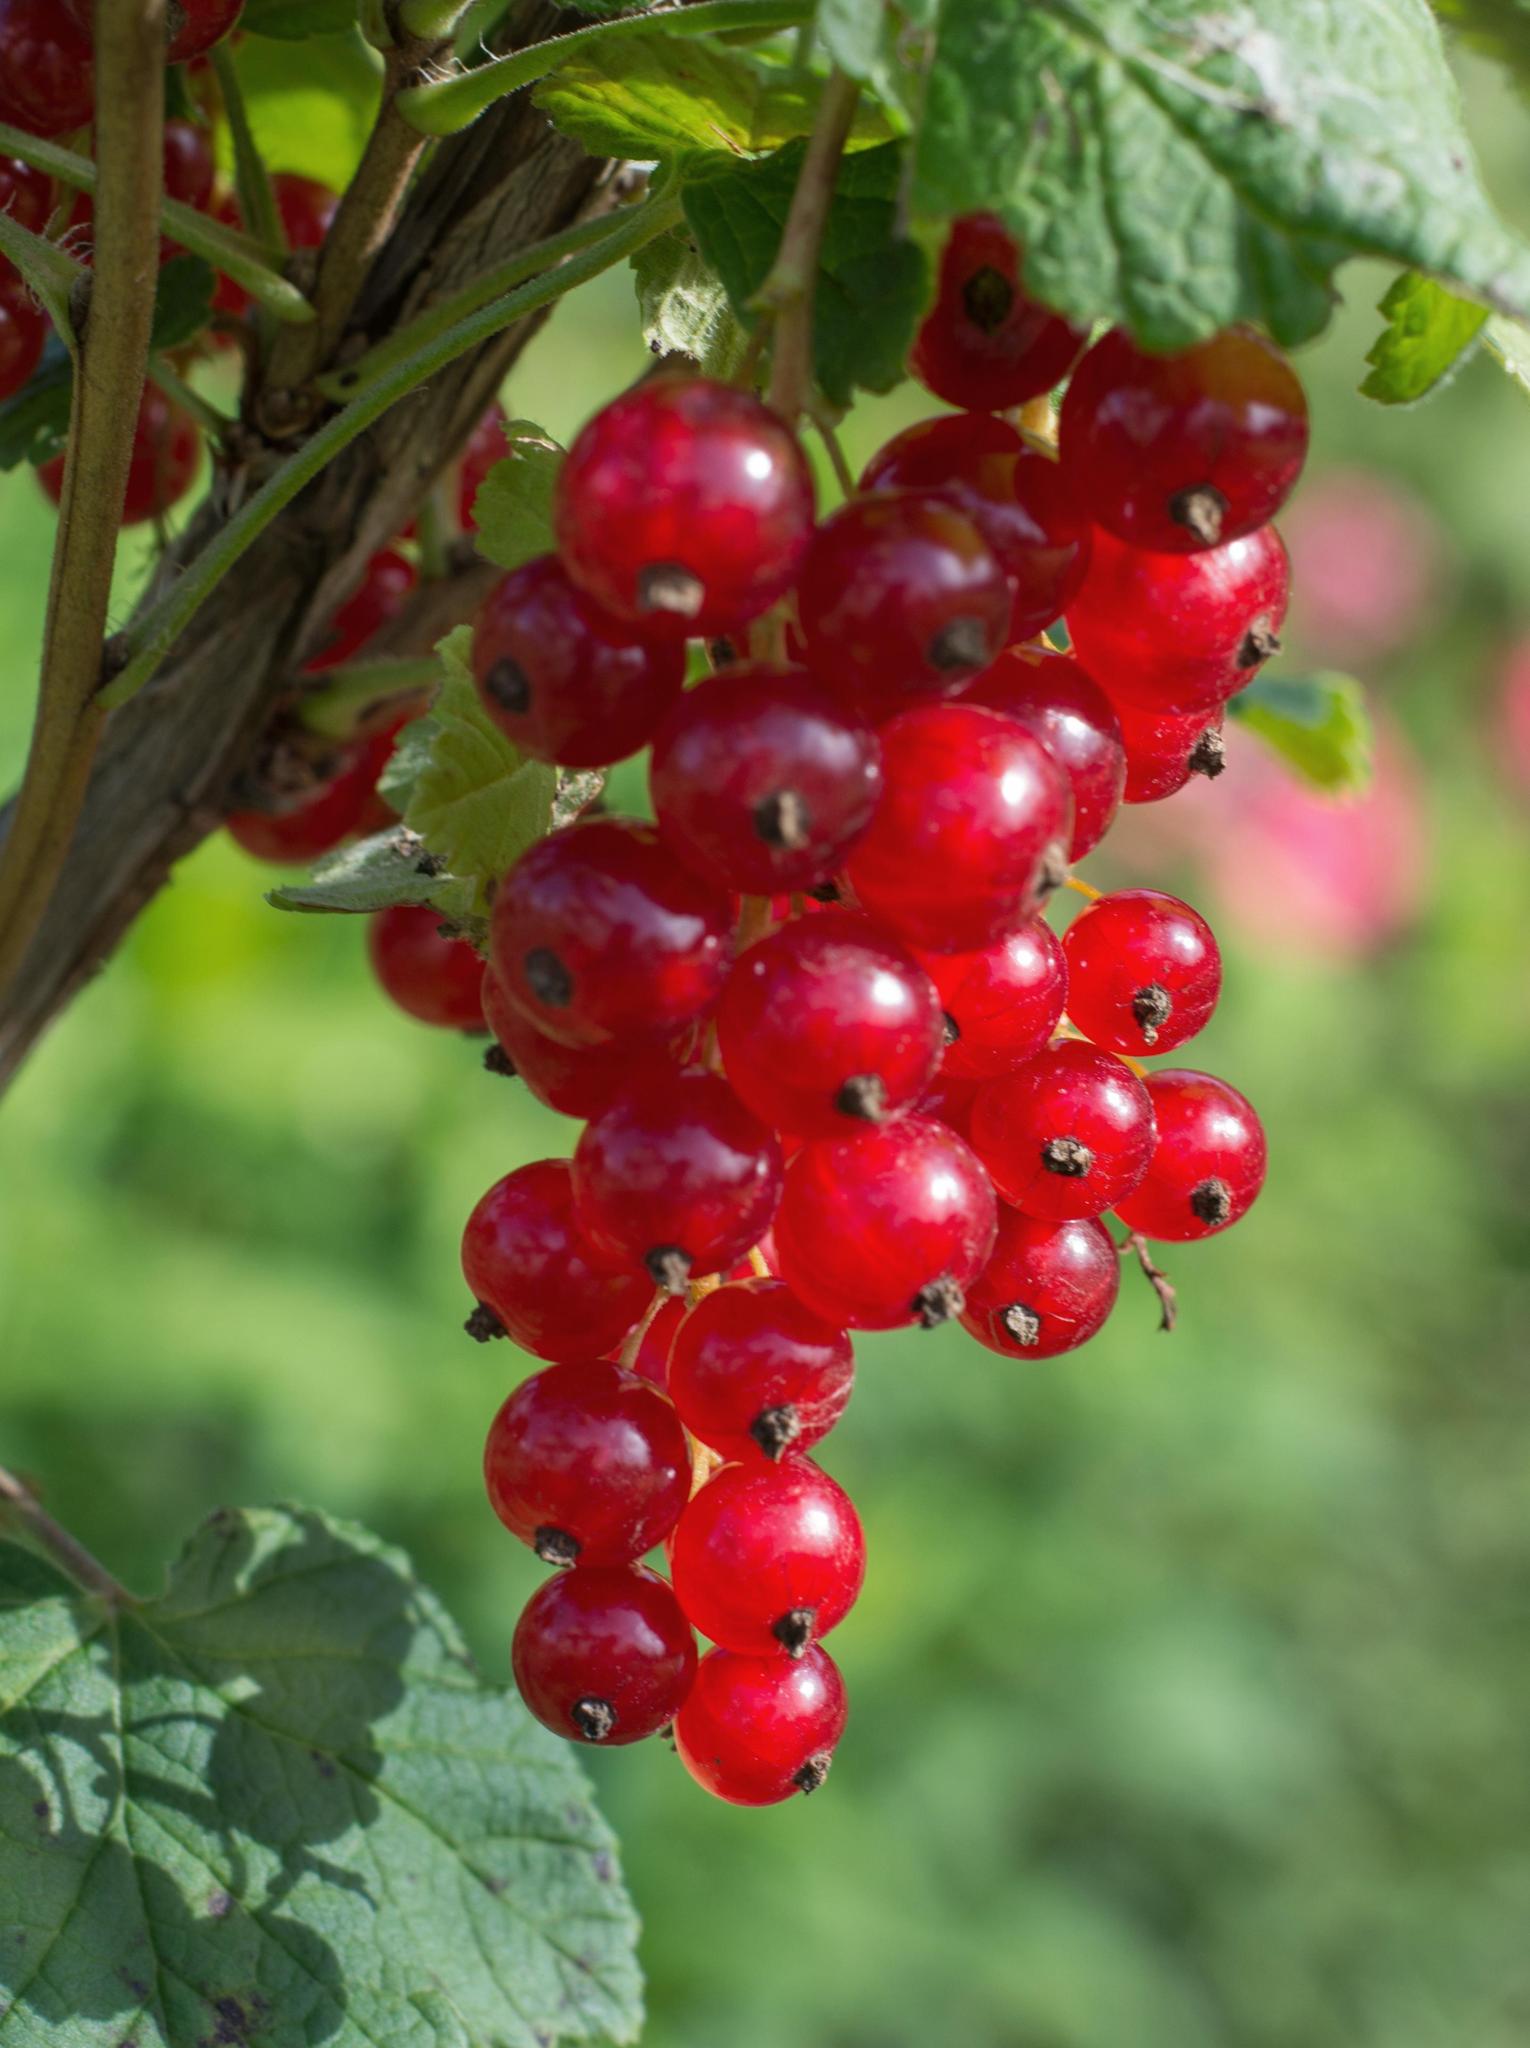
column 445, row 105
column 252, row 181
column 66, row 1551
column 432, row 20
column 180, row 392
column 332, row 706
column 51, row 271
column 152, row 635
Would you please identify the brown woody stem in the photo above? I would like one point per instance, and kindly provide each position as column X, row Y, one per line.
column 787, row 293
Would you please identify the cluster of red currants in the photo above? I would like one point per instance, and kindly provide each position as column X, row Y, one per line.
column 836, row 1071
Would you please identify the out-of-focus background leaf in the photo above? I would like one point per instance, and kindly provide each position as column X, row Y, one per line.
column 1188, row 1689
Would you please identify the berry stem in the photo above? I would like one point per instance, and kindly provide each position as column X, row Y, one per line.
column 759, row 1264
column 207, row 416
column 844, row 475
column 350, row 695
column 18, row 1501
column 1083, row 888
column 1157, row 1278
column 787, row 293
column 1038, row 419
column 632, row 1343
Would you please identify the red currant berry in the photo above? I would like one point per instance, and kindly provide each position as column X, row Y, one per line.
column 827, row 1025
column 1051, row 696
column 678, row 1177
column 47, row 68
column 1165, row 748
column 26, row 193
column 600, row 935
column 23, row 334
column 754, row 1730
column 534, row 1275
column 972, row 832
column 1048, row 1287
column 166, row 450
column 189, row 173
column 763, row 782
column 1181, row 452
column 487, row 445
column 194, row 26
column 1070, row 1135
column 588, row 1464
column 438, row 980
column 575, row 1080
column 604, row 1656
column 563, row 680
column 1180, row 632
column 320, row 820
column 886, row 1229
column 305, row 209
column 949, row 1101
column 985, row 344
column 1002, row 1004
column 1144, row 971
column 651, row 1360
column 768, row 1557
column 751, row 1370
column 1210, row 1161
column 900, row 597
column 684, row 506
column 384, row 588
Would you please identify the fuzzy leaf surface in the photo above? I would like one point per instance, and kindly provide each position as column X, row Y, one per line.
column 1318, row 724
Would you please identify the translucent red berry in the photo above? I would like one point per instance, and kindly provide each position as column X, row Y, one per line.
column 762, row 781
column 768, row 1557
column 194, row 26
column 588, row 1464
column 23, row 333
column 1001, row 1004
column 986, row 344
column 1144, row 971
column 754, row 1730
column 651, row 1359
column 26, row 193
column 305, row 209
column 487, row 445
column 752, row 1371
column 438, row 980
column 320, row 819
column 381, row 594
column 576, row 1080
column 534, row 1274
column 677, row 1177
column 1048, row 1287
column 1051, row 696
column 1165, row 748
column 1069, row 1135
column 163, row 464
column 604, row 1655
column 886, row 1229
column 561, row 678
column 972, row 832
column 684, row 506
column 600, row 935
column 1181, row 452
column 827, row 1025
column 47, row 68
column 1210, row 1162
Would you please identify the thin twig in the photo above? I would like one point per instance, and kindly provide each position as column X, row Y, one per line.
column 1158, row 1279
column 787, row 293
column 843, row 473
column 67, row 1551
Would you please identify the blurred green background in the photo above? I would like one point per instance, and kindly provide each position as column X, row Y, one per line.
column 1189, row 1685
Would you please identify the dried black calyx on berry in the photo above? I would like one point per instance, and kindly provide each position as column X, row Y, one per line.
column 794, row 1630
column 809, row 1776
column 547, row 978
column 555, row 1546
column 1022, row 1323
column 497, row 1061
column 775, row 1430
column 483, row 1324
column 1070, row 1157
column 595, row 1719
column 669, row 1267
column 782, row 819
column 1200, row 511
column 1209, row 754
column 1152, row 1006
column 940, row 1301
column 668, row 587
column 721, row 652
column 950, row 1030
column 960, row 647
column 864, row 1096
column 987, row 297
column 1211, row 1201
column 507, row 686
column 1258, row 643
column 823, row 892
column 1051, row 870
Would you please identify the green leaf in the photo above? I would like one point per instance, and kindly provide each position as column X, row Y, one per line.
column 277, row 1805
column 1172, row 167
column 1499, row 29
column 683, row 304
column 311, row 111
column 293, row 19
column 871, row 282
column 34, row 425
column 182, row 302
column 1509, row 343
column 513, row 504
column 1428, row 334
column 391, row 867
column 1318, row 724
column 851, row 32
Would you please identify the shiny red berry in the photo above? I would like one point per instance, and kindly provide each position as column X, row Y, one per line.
column 563, row 680
column 754, row 1730
column 972, row 832
column 651, row 1360
column 600, row 935
column 768, row 1558
column 26, row 193
column 1165, row 748
column 193, row 26
column 47, row 68
column 677, row 1177
column 166, row 450
column 1210, row 1162
column 752, row 1371
column 1180, row 632
column 487, row 445
column 827, row 1025
column 604, row 1655
column 1048, row 1287
column 1001, row 1004
column 318, row 822
column 381, row 594
column 1051, row 696
column 23, row 333
column 438, row 980
column 1181, row 452
column 886, row 1229
column 1069, row 1135
column 762, row 781
column 900, row 598
column 588, row 1464
column 1144, row 971
column 986, row 344
column 305, row 208
column 534, row 1274
column 684, row 506
column 189, row 172
column 576, row 1080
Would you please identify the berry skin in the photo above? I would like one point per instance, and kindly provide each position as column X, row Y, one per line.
column 385, row 585
column 195, row 25
column 305, row 209
column 438, row 980
column 826, row 1026
column 1180, row 632
column 1210, row 1162
column 26, row 193
column 985, row 344
column 886, row 1229
column 319, row 821
column 768, row 1558
column 1070, row 1135
column 575, row 1080
column 972, row 832
column 1165, row 748
column 527, row 1262
column 563, row 680
column 1002, row 1004
column 587, row 1464
column 23, row 333
column 604, row 1655
column 1048, row 1287
column 486, row 446
column 677, row 1177
column 599, row 935
column 760, row 780
column 1144, row 971
column 657, row 1342
column 1052, row 697
column 900, row 598
column 1182, row 452
column 1014, row 493
column 163, row 464
column 47, row 68
column 757, row 1729
column 684, row 506
column 753, row 1372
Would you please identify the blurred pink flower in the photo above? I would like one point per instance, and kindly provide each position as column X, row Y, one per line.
column 1367, row 562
